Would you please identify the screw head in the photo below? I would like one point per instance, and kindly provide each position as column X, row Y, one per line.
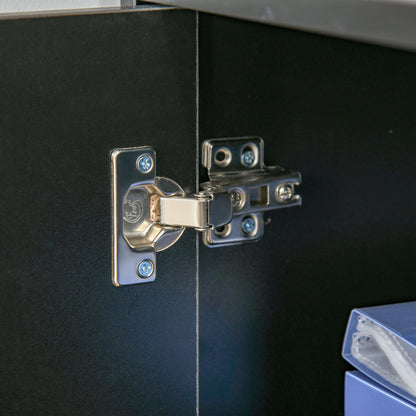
column 248, row 225
column 237, row 198
column 285, row 192
column 145, row 269
column 248, row 158
column 144, row 164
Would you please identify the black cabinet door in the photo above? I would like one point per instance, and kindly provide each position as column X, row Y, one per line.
column 72, row 88
column 273, row 314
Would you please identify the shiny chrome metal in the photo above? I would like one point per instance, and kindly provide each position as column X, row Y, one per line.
column 145, row 269
column 144, row 163
column 285, row 192
column 234, row 234
column 223, row 230
column 249, row 225
column 137, row 231
column 141, row 215
column 235, row 147
column 248, row 159
column 184, row 212
column 222, row 157
column 150, row 213
column 239, row 199
column 253, row 188
column 203, row 211
column 220, row 209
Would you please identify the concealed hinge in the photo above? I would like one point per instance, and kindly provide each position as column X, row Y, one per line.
column 150, row 213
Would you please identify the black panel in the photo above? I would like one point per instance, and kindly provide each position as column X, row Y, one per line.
column 72, row 88
column 273, row 313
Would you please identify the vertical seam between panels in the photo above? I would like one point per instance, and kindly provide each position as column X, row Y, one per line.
column 197, row 189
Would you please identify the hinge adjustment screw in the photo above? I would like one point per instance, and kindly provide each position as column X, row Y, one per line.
column 237, row 198
column 285, row 192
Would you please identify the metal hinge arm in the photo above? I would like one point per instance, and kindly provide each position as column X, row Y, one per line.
column 203, row 211
column 184, row 212
column 151, row 212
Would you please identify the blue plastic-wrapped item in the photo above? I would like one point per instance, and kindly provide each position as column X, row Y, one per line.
column 365, row 397
column 380, row 341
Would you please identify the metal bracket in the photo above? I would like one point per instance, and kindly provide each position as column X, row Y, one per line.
column 237, row 166
column 150, row 213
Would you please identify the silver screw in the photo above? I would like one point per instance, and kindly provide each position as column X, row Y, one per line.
column 145, row 269
column 248, row 158
column 144, row 163
column 285, row 192
column 248, row 225
column 237, row 198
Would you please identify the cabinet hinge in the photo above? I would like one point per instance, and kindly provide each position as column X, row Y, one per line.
column 150, row 213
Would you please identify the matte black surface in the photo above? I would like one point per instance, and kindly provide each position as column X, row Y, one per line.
column 71, row 89
column 273, row 314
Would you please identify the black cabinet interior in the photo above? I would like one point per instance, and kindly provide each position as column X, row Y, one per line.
column 273, row 314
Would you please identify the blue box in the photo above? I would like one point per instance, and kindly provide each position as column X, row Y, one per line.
column 381, row 342
column 365, row 397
